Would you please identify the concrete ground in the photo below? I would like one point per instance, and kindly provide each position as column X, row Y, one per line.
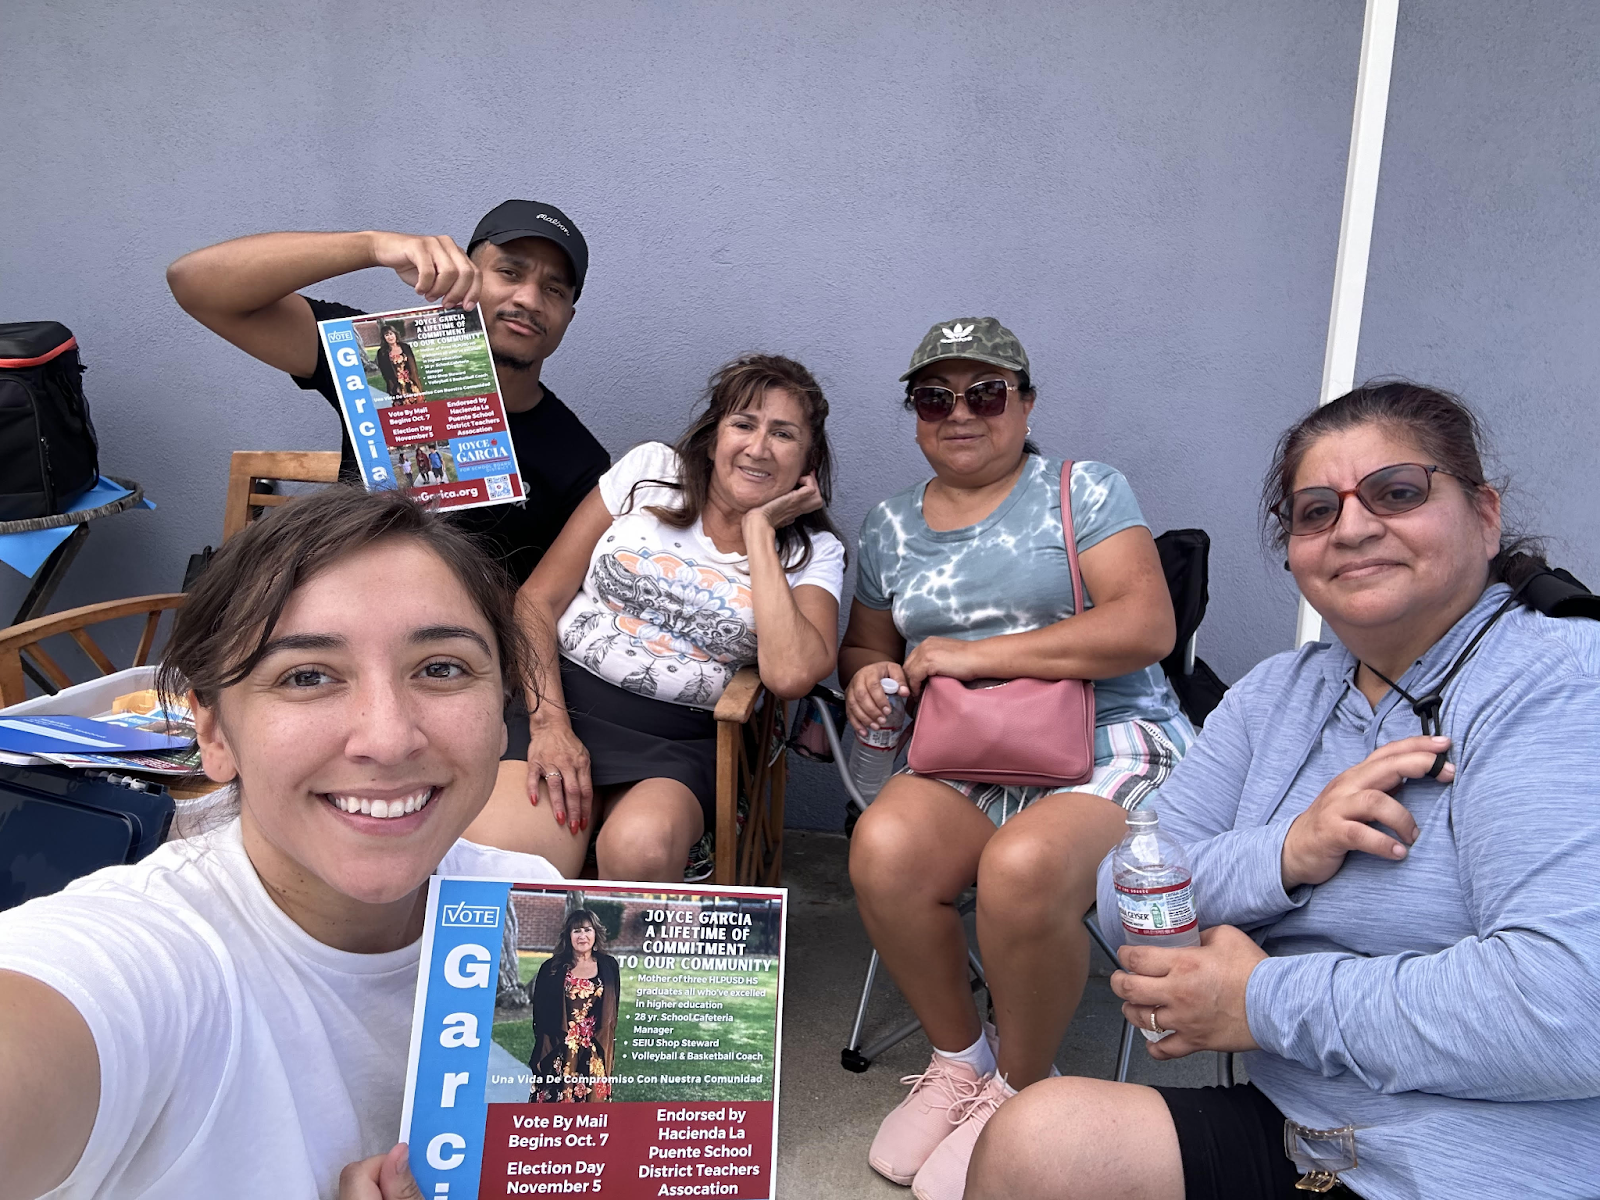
column 827, row 1115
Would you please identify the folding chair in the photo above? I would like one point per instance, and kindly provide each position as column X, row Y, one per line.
column 855, row 1057
column 1184, row 560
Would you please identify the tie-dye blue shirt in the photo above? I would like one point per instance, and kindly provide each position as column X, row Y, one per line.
column 1006, row 574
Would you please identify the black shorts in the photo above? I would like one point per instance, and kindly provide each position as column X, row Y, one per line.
column 1231, row 1143
column 631, row 737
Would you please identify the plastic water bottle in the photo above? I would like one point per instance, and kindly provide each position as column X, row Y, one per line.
column 1155, row 892
column 1155, row 895
column 872, row 758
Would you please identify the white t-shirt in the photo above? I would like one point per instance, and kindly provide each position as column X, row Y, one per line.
column 663, row 612
column 239, row 1056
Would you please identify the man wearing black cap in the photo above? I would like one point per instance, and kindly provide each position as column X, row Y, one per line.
column 525, row 265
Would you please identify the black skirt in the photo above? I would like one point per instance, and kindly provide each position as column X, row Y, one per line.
column 631, row 737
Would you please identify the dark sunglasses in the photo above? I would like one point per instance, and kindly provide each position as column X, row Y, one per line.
column 986, row 398
column 1386, row 492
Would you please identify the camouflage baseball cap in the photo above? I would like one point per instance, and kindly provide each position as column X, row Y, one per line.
column 982, row 339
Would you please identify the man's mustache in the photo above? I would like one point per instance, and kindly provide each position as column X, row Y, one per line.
column 526, row 318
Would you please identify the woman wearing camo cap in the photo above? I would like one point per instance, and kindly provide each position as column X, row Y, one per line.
column 967, row 575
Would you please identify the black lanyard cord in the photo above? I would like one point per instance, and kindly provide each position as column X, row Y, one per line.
column 1429, row 707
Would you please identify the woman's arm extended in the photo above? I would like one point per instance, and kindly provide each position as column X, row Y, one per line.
column 49, row 1087
column 797, row 628
column 1130, row 626
column 541, row 600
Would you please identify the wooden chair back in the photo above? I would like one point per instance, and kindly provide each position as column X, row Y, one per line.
column 24, row 639
column 252, row 467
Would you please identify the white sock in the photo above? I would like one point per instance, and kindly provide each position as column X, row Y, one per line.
column 978, row 1056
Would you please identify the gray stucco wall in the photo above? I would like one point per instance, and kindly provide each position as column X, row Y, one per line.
column 1485, row 273
column 1147, row 193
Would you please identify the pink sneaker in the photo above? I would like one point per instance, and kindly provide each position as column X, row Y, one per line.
column 944, row 1175
column 923, row 1119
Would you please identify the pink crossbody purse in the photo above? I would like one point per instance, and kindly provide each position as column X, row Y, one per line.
column 1018, row 732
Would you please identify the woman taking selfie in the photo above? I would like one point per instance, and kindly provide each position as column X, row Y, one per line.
column 231, row 1016
column 969, row 577
column 1393, row 837
column 648, row 604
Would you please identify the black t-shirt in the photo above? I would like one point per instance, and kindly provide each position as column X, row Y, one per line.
column 560, row 461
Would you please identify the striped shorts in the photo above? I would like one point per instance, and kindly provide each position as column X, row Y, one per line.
column 1132, row 759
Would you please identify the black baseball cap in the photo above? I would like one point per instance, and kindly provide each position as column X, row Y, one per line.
column 528, row 218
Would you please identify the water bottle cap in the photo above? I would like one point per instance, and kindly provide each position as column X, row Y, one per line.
column 890, row 687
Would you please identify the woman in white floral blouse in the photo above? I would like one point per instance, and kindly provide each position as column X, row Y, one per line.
column 647, row 605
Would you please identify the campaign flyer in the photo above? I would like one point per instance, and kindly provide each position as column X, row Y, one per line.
column 582, row 1038
column 421, row 400
column 174, row 722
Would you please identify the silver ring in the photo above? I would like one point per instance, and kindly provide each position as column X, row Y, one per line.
column 1154, row 1028
column 552, row 774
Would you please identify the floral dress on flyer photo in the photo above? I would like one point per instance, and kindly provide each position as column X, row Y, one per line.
column 584, row 1073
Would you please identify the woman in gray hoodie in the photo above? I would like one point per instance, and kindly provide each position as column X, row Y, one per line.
column 1394, row 837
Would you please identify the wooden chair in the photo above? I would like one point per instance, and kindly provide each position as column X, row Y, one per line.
column 244, row 501
column 251, row 467
column 752, row 763
column 25, row 638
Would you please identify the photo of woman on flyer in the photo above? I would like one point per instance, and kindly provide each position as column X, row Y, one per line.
column 402, row 379
column 575, row 998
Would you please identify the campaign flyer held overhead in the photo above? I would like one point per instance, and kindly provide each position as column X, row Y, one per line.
column 582, row 1038
column 421, row 400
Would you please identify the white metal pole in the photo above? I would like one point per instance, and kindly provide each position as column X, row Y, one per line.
column 1355, row 227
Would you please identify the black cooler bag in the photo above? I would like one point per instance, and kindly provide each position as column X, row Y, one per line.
column 48, row 453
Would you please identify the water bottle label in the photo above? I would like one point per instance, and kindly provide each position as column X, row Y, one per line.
column 880, row 739
column 1157, row 912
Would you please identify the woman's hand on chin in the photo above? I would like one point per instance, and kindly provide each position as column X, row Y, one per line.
column 382, row 1177
column 941, row 656
column 775, row 514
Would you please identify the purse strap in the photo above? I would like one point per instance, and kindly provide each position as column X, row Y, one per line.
column 1071, row 537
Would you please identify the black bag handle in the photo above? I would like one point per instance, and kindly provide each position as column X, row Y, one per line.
column 1556, row 592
